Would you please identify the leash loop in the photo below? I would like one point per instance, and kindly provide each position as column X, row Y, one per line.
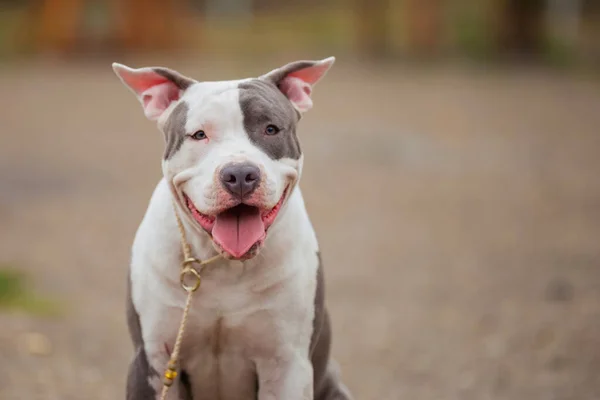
column 192, row 273
column 188, row 273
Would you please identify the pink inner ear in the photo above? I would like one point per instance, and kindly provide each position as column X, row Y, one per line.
column 298, row 91
column 310, row 75
column 140, row 81
column 157, row 98
column 155, row 91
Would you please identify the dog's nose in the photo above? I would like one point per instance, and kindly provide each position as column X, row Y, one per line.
column 240, row 179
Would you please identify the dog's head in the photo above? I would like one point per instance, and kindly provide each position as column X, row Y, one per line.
column 232, row 157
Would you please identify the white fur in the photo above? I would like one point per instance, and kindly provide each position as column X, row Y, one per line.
column 266, row 305
column 214, row 108
column 248, row 318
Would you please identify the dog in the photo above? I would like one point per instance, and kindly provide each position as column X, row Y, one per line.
column 258, row 326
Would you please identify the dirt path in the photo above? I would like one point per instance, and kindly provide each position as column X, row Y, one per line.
column 458, row 213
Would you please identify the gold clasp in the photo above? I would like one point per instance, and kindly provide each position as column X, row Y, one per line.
column 186, row 271
column 170, row 373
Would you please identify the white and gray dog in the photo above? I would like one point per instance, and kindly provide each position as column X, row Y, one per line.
column 258, row 327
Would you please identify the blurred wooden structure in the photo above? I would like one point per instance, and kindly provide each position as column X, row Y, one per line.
column 425, row 25
column 372, row 34
column 378, row 28
column 521, row 27
column 134, row 25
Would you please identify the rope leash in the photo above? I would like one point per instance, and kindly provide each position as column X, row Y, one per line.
column 187, row 271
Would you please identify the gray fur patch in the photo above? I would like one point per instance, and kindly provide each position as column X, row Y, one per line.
column 182, row 82
column 277, row 75
column 174, row 129
column 262, row 104
column 320, row 339
column 185, row 386
column 319, row 304
column 138, row 386
column 327, row 384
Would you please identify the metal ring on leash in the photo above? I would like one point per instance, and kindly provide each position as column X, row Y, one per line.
column 187, row 271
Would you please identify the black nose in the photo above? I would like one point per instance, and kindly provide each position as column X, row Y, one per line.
column 240, row 179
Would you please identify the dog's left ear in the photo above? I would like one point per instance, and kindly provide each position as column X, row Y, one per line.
column 296, row 80
column 155, row 87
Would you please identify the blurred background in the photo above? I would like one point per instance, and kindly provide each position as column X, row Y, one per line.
column 452, row 168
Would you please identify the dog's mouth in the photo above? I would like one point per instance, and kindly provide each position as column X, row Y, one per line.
column 239, row 231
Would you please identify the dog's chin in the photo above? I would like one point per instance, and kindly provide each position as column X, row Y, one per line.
column 239, row 232
column 250, row 254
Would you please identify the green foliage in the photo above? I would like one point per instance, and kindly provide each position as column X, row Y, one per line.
column 14, row 295
column 558, row 52
column 472, row 35
column 7, row 31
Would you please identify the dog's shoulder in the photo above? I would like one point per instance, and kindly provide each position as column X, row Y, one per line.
column 157, row 219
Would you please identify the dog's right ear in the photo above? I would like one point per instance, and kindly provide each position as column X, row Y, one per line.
column 296, row 80
column 155, row 87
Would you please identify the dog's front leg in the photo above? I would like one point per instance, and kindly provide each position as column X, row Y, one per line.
column 139, row 377
column 285, row 378
column 144, row 382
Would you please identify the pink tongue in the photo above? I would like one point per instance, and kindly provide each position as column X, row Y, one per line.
column 238, row 229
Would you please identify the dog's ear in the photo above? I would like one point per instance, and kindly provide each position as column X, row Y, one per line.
column 155, row 87
column 296, row 80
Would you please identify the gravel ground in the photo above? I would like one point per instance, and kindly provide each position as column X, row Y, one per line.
column 458, row 212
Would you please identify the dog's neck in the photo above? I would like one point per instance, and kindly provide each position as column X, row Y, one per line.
column 289, row 236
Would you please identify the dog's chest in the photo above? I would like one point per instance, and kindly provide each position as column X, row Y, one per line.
column 215, row 356
column 230, row 326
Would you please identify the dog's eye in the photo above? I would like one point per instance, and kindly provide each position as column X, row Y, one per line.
column 200, row 135
column 271, row 130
